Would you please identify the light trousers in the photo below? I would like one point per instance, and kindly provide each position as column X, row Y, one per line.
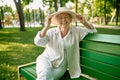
column 46, row 71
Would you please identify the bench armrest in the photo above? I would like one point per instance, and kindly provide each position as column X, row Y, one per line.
column 19, row 76
column 87, row 76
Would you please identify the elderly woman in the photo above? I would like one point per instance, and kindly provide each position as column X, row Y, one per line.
column 61, row 45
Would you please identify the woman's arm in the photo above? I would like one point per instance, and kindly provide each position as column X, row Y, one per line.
column 84, row 22
column 47, row 24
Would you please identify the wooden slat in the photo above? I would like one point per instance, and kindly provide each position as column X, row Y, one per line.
column 99, row 56
column 102, row 67
column 28, row 72
column 97, row 74
column 27, row 75
column 102, row 47
column 103, row 38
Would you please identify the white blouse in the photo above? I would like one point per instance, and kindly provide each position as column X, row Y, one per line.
column 54, row 48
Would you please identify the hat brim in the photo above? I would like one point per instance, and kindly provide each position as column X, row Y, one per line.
column 54, row 18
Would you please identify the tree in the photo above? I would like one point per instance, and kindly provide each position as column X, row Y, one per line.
column 20, row 13
column 55, row 5
column 117, row 10
column 105, row 14
column 0, row 24
column 1, row 17
column 104, row 8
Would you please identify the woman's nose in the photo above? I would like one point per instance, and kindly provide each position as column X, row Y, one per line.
column 63, row 18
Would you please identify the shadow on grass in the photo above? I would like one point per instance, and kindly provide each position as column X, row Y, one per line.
column 16, row 48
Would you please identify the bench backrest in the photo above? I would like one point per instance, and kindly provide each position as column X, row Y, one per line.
column 100, row 56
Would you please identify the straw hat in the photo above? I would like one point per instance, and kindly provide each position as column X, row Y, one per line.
column 63, row 10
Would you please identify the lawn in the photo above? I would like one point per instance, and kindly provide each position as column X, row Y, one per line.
column 17, row 48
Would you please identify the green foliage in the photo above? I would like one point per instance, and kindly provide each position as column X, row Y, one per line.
column 7, row 9
column 99, row 8
column 26, row 2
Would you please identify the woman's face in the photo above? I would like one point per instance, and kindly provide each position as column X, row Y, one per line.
column 64, row 19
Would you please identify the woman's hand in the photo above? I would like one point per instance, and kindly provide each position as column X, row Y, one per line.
column 84, row 22
column 47, row 24
column 48, row 20
column 81, row 19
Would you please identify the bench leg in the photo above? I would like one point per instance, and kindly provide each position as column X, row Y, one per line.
column 20, row 76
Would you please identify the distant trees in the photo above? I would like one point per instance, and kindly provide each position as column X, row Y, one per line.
column 105, row 10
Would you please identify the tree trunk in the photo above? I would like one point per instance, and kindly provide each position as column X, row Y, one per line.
column 105, row 15
column 61, row 4
column 76, row 8
column 117, row 10
column 20, row 13
column 1, row 18
column 0, row 24
column 55, row 5
column 41, row 17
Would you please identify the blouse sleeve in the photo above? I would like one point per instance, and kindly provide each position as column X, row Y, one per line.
column 83, row 31
column 41, row 41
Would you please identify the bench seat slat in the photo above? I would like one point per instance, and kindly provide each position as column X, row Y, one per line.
column 29, row 72
column 102, row 67
column 97, row 74
column 99, row 56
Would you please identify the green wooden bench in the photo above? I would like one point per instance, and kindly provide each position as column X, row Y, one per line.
column 100, row 59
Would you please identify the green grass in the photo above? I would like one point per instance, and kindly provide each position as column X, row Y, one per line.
column 16, row 48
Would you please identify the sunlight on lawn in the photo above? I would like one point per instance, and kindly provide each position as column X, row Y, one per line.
column 16, row 48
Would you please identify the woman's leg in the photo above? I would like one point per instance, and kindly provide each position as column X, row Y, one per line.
column 44, row 69
column 58, row 72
